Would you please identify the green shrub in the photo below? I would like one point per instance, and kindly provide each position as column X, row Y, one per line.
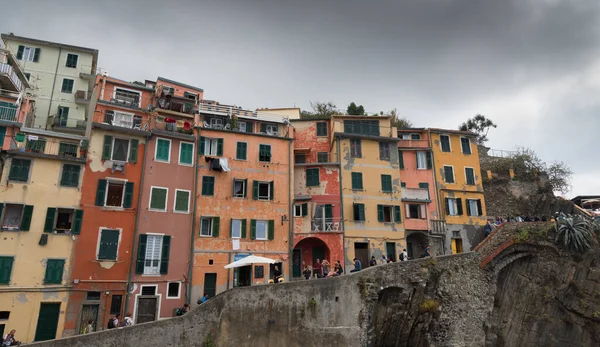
column 429, row 305
column 575, row 233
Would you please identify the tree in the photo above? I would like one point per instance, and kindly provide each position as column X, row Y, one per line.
column 320, row 110
column 479, row 125
column 559, row 176
column 355, row 110
column 399, row 122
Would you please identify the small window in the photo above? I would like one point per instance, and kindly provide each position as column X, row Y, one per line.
column 206, row 226
column 403, row 184
column 465, row 143
column 323, row 157
column 421, row 160
column 423, row 185
column 109, row 244
column 16, row 217
column 384, row 151
column 93, row 296
column 474, row 207
column 163, row 150
column 445, row 143
column 67, row 85
column 70, row 175
column 264, row 154
column 269, row 129
column 241, row 151
column 236, row 228
column 212, row 147
column 173, row 290
column 115, row 304
column 186, row 153
column 386, row 183
column 127, row 97
column 261, row 229
column 415, row 136
column 152, row 257
column 449, row 174
column 264, row 190
column 388, row 214
column 242, row 126
column 401, row 159
column 28, row 53
column 321, row 128
column 359, row 212
column 114, row 193
column 182, row 201
column 64, row 220
column 158, row 199
column 27, row 75
column 415, row 211
column 404, row 136
column 148, row 290
column 19, row 170
column 454, row 207
column 357, row 183
column 355, row 149
column 297, row 210
column 300, row 158
column 120, row 149
column 54, row 271
column 216, row 122
column 312, row 177
column 190, row 96
column 239, row 188
column 6, row 264
column 72, row 60
column 470, row 176
column 208, row 185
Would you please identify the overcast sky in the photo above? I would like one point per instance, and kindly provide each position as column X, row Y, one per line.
column 530, row 66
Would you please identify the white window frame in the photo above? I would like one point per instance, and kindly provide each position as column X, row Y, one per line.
column 208, row 146
column 112, row 152
column 424, row 155
column 422, row 211
column 67, row 59
column 119, row 180
column 449, row 143
column 270, row 151
column 240, row 230
column 453, row 174
column 193, row 151
column 3, row 215
column 178, row 292
column 258, row 196
column 114, row 96
column 297, row 210
column 220, row 123
column 166, row 199
column 266, row 222
column 470, row 147
column 453, row 206
column 392, row 213
column 244, row 186
column 210, row 226
column 100, row 238
column 156, row 150
column 159, row 256
column 405, row 137
column 188, row 203
column 474, row 201
column 474, row 179
column 240, row 123
column 72, row 89
column 28, row 53
column 121, row 113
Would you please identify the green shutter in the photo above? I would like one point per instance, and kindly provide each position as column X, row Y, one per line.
column 20, row 51
column 271, row 230
column 246, row 188
column 328, row 211
column 26, row 219
column 2, row 210
column 6, row 264
column 459, row 207
column 128, row 198
column 423, row 185
column 219, row 147
column 133, row 152
column 361, row 212
column 357, row 181
column 141, row 254
column 386, row 183
column 468, row 207
column 243, row 221
column 479, row 207
column 397, row 215
column 36, row 55
column 109, row 242
column 272, row 190
column 312, row 177
column 182, row 201
column 101, row 192
column 216, row 226
column 208, row 185
column 240, row 152
column 164, row 255
column 201, row 146
column 158, row 198
column 253, row 229
column 447, row 206
column 50, row 217
column 107, row 148
column 429, row 160
column 54, row 271
column 77, row 221
column 304, row 209
column 380, row 213
column 401, row 159
column 163, row 149
column 230, row 227
column 255, row 190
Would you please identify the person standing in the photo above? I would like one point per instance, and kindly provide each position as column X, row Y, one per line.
column 357, row 265
column 487, row 229
column 326, row 266
column 113, row 322
column 403, row 255
column 318, row 269
column 373, row 261
column 127, row 322
column 427, row 252
column 384, row 260
column 10, row 340
column 90, row 327
column 277, row 275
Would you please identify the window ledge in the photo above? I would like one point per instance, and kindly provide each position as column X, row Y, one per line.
column 162, row 161
column 106, row 261
column 155, row 210
column 151, row 275
column 185, row 164
column 206, row 236
column 112, row 208
column 181, row 212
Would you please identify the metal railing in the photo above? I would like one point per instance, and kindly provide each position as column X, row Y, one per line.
column 82, row 95
column 171, row 104
column 123, row 120
column 178, row 126
column 326, row 225
column 500, row 153
column 34, row 144
column 68, row 123
column 8, row 114
column 225, row 110
column 413, row 143
column 7, row 69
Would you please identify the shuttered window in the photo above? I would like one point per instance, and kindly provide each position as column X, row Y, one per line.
column 208, row 185
column 401, row 159
column 6, row 265
column 264, row 153
column 182, row 201
column 163, row 150
column 158, row 198
column 386, row 183
column 109, row 244
column 470, row 176
column 241, row 151
column 70, row 175
column 19, row 170
column 321, row 128
column 54, row 271
column 449, row 174
column 312, row 177
column 152, row 255
column 357, row 182
column 186, row 153
column 465, row 143
column 359, row 212
column 445, row 142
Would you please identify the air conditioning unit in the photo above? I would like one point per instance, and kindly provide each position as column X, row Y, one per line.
column 118, row 166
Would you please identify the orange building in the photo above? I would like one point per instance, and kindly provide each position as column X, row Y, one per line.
column 243, row 197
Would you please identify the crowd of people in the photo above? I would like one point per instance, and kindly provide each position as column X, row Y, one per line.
column 493, row 223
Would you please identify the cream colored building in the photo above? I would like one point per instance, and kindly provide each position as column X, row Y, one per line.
column 61, row 78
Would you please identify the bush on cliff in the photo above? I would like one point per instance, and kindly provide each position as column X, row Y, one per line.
column 575, row 233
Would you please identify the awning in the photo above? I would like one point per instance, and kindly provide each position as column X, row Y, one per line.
column 302, row 197
column 249, row 260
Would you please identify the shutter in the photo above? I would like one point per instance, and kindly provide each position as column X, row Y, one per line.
column 50, row 216
column 429, row 160
column 216, row 225
column 77, row 221
column 249, row 126
column 304, row 209
column 49, row 276
column 459, row 208
column 447, row 206
column 2, row 210
column 20, row 52
column 133, row 152
column 383, row 183
column 141, row 254
column 479, row 208
column 380, row 213
column 361, row 212
column 201, row 146
column 401, row 159
column 107, row 148
column 128, row 198
column 252, row 229
column 271, row 230
column 263, row 128
column 328, row 211
column 233, row 187
column 230, row 227
column 219, row 147
column 101, row 192
column 164, row 255
column 6, row 264
column 397, row 214
column 246, row 188
column 468, row 207
column 255, row 190
column 36, row 55
column 243, row 221
column 272, row 190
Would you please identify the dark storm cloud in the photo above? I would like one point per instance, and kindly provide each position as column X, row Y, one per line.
column 529, row 65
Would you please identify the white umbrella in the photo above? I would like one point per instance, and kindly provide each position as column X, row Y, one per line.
column 249, row 260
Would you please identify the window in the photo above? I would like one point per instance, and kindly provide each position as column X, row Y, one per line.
column 300, row 210
column 209, row 226
column 127, row 97
column 470, row 176
column 421, row 160
column 261, row 230
column 465, row 144
column 312, row 177
column 355, row 149
column 264, row 153
column 163, row 150
column 67, row 86
column 72, row 60
column 109, row 244
column 236, row 228
column 6, row 264
column 54, row 271
column 208, row 185
column 70, row 175
column 300, row 158
column 322, row 157
column 454, row 207
column 359, row 212
column 16, row 216
column 216, row 122
column 263, row 190
column 449, row 174
column 404, row 137
column 186, row 153
column 401, row 159
column 386, row 183
column 242, row 126
column 388, row 214
column 115, row 304
column 445, row 143
column 173, row 290
column 148, row 290
column 474, row 207
column 357, row 183
column 269, row 129
column 363, row 127
column 415, row 136
column 19, row 170
column 28, row 75
column 423, row 185
column 158, row 199
column 63, row 220
column 68, row 149
column 152, row 254
column 403, row 184
column 384, row 151
column 121, row 119
column 241, row 151
column 182, row 201
column 211, row 147
column 28, row 54
column 321, row 128
column 115, row 191
column 239, row 188
column 120, row 149
column 190, row 96
column 62, row 116
column 415, row 211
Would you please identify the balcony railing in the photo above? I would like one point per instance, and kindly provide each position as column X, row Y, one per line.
column 225, row 110
column 7, row 70
column 171, row 104
column 82, row 96
column 326, row 225
column 176, row 126
column 124, row 120
column 415, row 194
column 78, row 124
column 126, row 100
column 65, row 149
column 438, row 227
column 413, row 143
column 8, row 114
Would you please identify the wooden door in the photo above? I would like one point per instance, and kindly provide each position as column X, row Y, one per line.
column 390, row 249
column 297, row 262
column 210, row 284
column 146, row 310
column 89, row 312
column 47, row 321
column 361, row 252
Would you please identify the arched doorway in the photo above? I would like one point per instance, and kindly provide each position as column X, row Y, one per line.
column 415, row 244
column 306, row 252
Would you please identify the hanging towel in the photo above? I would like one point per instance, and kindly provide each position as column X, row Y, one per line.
column 224, row 164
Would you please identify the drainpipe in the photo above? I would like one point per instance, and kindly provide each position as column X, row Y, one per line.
column 103, row 85
column 337, row 144
column 437, row 194
column 188, row 288
column 53, row 85
column 290, row 213
column 136, row 230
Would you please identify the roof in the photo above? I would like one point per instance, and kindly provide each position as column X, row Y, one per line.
column 310, row 119
column 580, row 197
column 129, row 84
column 278, row 108
column 180, row 84
column 12, row 36
column 355, row 116
column 410, row 130
column 448, row 131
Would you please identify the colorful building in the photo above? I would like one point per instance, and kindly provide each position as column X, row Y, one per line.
column 366, row 148
column 244, row 189
column 459, row 188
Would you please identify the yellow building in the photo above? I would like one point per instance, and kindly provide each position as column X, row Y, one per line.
column 459, row 188
column 367, row 150
column 40, row 220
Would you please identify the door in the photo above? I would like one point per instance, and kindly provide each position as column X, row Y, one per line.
column 2, row 134
column 244, row 276
column 456, row 246
column 361, row 252
column 210, row 284
column 318, row 253
column 89, row 312
column 297, row 262
column 146, row 310
column 390, row 249
column 47, row 321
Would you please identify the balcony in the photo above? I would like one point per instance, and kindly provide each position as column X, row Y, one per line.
column 415, row 194
column 66, row 124
column 82, row 97
column 127, row 100
column 8, row 114
column 438, row 227
column 9, row 79
column 416, row 224
column 413, row 144
column 124, row 120
column 320, row 225
column 176, row 126
column 176, row 105
column 224, row 110
column 49, row 148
